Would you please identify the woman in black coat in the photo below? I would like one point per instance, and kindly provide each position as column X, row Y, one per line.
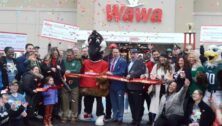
column 30, row 84
column 182, row 71
column 198, row 112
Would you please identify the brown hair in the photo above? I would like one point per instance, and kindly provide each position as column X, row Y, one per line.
column 48, row 78
column 53, row 49
column 166, row 66
column 186, row 63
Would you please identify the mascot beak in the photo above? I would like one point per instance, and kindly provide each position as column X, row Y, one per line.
column 211, row 55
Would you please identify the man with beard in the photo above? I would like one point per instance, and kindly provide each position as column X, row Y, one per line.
column 155, row 55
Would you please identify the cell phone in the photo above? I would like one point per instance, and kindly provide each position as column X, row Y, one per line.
column 182, row 72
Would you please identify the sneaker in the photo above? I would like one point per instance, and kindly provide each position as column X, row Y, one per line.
column 37, row 116
column 87, row 116
column 64, row 120
column 74, row 119
column 107, row 119
column 99, row 121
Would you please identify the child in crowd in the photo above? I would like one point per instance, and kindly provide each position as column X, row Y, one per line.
column 50, row 97
column 15, row 100
column 4, row 112
column 8, row 112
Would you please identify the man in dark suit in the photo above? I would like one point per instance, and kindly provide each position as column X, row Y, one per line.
column 136, row 68
column 118, row 67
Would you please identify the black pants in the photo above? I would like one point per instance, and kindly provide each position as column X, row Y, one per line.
column 88, row 103
column 80, row 104
column 146, row 98
column 108, row 106
column 136, row 105
column 173, row 120
column 33, row 101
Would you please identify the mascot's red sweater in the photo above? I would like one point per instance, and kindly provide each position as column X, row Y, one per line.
column 92, row 68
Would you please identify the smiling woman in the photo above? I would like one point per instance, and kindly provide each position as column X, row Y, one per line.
column 198, row 111
column 171, row 106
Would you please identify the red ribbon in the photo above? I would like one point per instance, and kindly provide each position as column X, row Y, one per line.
column 135, row 80
column 110, row 77
column 48, row 88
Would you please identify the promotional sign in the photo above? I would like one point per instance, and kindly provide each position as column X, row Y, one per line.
column 211, row 34
column 59, row 31
column 15, row 40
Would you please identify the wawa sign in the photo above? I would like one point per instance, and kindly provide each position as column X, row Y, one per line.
column 132, row 12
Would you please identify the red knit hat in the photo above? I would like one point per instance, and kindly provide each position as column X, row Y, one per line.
column 112, row 46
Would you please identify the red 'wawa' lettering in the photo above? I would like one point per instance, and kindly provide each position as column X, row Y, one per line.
column 129, row 14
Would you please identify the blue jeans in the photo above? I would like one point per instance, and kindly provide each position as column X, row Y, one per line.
column 117, row 100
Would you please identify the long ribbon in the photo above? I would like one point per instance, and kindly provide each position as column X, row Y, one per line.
column 111, row 77
column 48, row 88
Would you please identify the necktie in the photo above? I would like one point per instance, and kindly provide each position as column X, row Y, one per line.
column 113, row 64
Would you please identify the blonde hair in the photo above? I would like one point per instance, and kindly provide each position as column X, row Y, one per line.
column 194, row 54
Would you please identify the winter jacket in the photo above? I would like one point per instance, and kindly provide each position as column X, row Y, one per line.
column 207, row 115
column 29, row 82
column 6, row 113
column 50, row 97
column 3, row 69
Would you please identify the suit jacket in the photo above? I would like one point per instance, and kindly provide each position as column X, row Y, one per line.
column 138, row 68
column 119, row 69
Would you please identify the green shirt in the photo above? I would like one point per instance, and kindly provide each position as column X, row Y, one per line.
column 194, row 86
column 212, row 75
column 73, row 66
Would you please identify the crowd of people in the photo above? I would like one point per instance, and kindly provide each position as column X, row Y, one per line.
column 31, row 86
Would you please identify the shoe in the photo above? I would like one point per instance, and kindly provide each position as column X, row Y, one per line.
column 74, row 119
column 107, row 119
column 100, row 121
column 64, row 120
column 37, row 116
column 87, row 116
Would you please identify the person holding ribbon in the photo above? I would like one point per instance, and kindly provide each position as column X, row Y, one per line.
column 50, row 97
column 118, row 67
column 72, row 65
column 136, row 68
